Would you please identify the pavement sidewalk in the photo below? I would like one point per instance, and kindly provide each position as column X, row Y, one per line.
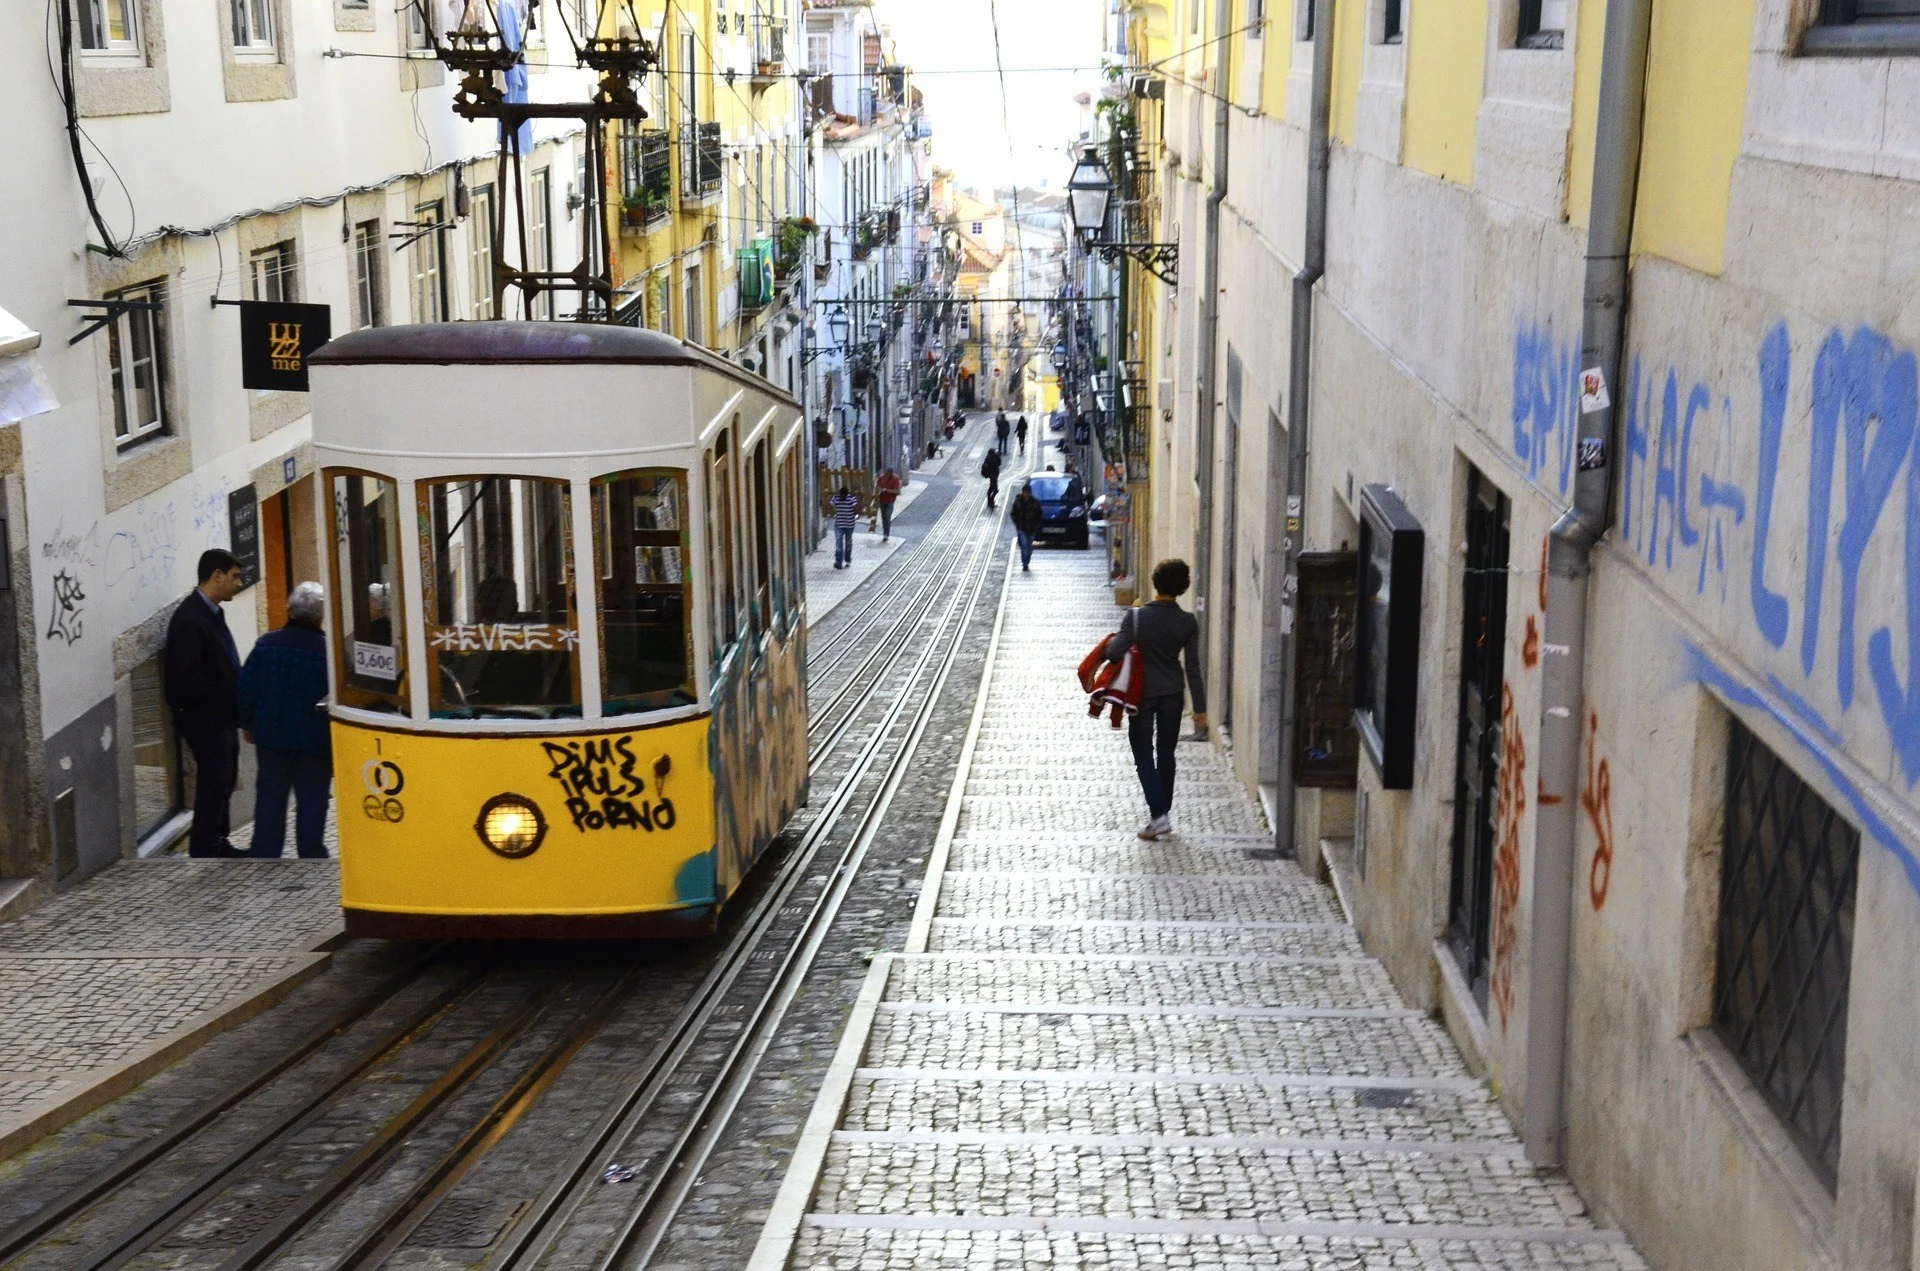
column 1099, row 1052
column 110, row 982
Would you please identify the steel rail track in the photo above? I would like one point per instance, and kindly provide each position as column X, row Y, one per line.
column 965, row 553
column 537, row 1231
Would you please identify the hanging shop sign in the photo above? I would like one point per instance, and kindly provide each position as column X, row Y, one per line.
column 276, row 339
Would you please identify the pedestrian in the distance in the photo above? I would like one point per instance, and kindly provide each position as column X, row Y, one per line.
column 283, row 689
column 202, row 668
column 1166, row 636
column 1020, row 431
column 885, row 491
column 990, row 469
column 1001, row 429
column 846, row 506
column 1026, row 516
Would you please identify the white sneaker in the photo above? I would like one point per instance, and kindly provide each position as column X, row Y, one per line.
column 1156, row 827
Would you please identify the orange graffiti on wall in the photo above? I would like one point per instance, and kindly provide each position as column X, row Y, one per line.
column 1510, row 804
column 1597, row 799
column 1546, row 541
column 1530, row 648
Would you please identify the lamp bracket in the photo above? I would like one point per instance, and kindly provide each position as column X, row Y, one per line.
column 1162, row 260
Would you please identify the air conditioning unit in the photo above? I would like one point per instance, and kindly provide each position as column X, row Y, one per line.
column 1151, row 87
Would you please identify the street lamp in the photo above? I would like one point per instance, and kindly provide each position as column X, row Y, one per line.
column 837, row 326
column 1089, row 195
column 1059, row 357
column 1089, row 199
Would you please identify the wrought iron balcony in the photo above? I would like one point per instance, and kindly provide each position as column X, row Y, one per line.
column 769, row 47
column 646, row 178
column 701, row 156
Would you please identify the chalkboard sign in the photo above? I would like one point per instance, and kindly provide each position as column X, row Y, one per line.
column 243, row 532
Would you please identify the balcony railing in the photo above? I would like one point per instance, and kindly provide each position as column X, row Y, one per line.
column 701, row 155
column 755, row 264
column 646, row 178
column 769, row 46
column 867, row 234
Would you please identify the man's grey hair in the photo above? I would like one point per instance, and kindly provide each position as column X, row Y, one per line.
column 307, row 605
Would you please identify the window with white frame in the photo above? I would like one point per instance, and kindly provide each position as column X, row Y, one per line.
column 428, row 258
column 480, row 226
column 695, row 331
column 136, row 360
column 253, row 26
column 819, row 48
column 110, row 26
column 419, row 22
column 1543, row 24
column 1303, row 15
column 369, row 301
column 540, row 234
column 275, row 273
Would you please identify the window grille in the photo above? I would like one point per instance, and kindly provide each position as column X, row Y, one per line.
column 137, row 360
column 1789, row 865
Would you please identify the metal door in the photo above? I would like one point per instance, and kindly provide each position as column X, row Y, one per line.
column 1482, row 678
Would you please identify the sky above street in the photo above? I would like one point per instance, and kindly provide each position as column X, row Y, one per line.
column 950, row 46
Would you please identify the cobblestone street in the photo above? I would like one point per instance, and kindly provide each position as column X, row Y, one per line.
column 1096, row 1051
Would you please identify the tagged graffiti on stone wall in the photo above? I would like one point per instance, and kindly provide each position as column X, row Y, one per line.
column 1701, row 485
column 136, row 554
column 1597, row 798
column 1509, row 809
column 65, row 623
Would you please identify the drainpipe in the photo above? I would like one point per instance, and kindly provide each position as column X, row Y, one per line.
column 1616, row 172
column 1299, row 374
column 1210, row 333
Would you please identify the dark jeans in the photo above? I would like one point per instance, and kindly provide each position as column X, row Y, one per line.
column 886, row 520
column 1026, row 547
column 842, row 547
column 993, row 489
column 216, row 764
column 1156, row 728
column 306, row 777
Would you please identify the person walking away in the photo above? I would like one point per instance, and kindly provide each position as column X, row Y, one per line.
column 202, row 669
column 845, row 506
column 885, row 492
column 990, row 469
column 1000, row 430
column 283, row 690
column 1020, row 431
column 1025, row 514
column 1166, row 636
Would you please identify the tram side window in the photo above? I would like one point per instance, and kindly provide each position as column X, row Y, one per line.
column 795, row 531
column 501, row 627
column 641, row 557
column 762, row 541
column 720, row 558
column 367, row 591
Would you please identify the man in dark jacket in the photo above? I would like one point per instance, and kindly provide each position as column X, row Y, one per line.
column 283, row 690
column 1166, row 636
column 1026, row 517
column 990, row 469
column 1001, row 429
column 202, row 669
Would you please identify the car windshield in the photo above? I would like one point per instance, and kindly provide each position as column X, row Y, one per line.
column 1055, row 489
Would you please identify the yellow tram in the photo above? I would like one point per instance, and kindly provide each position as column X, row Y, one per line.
column 568, row 626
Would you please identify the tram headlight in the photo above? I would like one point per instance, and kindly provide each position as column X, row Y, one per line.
column 511, row 825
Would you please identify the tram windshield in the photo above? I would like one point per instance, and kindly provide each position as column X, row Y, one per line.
column 642, row 556
column 501, row 628
column 366, row 593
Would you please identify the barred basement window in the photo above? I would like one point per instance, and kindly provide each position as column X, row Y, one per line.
column 1789, row 865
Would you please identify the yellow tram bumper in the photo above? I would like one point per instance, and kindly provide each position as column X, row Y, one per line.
column 601, row 833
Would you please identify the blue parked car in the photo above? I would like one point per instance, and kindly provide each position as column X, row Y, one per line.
column 1063, row 508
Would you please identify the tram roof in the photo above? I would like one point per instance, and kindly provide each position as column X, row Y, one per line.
column 536, row 343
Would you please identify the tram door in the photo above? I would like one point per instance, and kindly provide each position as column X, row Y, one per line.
column 1482, row 682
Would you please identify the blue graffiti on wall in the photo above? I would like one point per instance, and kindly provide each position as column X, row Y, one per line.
column 1681, row 507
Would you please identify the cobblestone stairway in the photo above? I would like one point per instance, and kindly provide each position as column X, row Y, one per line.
column 1108, row 1053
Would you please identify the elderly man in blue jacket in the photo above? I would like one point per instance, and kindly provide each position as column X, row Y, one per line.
column 283, row 691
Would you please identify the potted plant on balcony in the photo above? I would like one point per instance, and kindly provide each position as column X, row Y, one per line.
column 790, row 245
column 634, row 210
